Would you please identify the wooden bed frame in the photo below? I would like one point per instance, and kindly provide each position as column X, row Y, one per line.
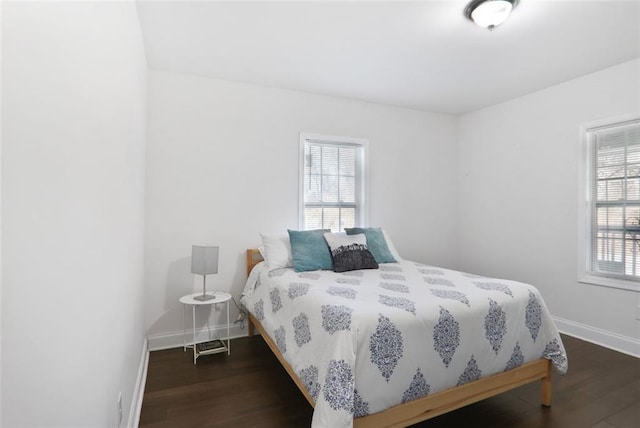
column 432, row 405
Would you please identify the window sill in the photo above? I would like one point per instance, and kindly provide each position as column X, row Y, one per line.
column 605, row 281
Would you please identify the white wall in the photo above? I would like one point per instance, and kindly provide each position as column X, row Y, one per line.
column 0, row 221
column 518, row 197
column 74, row 100
column 222, row 166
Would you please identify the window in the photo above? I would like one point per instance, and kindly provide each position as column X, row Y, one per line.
column 613, row 203
column 332, row 182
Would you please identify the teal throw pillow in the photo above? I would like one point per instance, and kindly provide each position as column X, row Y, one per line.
column 310, row 250
column 376, row 243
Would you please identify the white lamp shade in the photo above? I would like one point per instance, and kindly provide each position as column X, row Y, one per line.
column 491, row 13
column 204, row 259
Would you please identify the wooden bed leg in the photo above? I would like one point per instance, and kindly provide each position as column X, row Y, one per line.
column 546, row 387
column 250, row 328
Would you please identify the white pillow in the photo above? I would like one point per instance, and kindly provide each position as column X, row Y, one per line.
column 336, row 240
column 276, row 251
column 392, row 248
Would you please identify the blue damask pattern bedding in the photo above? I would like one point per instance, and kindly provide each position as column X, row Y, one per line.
column 363, row 341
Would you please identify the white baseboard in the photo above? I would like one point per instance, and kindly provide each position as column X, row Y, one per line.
column 617, row 342
column 138, row 393
column 176, row 339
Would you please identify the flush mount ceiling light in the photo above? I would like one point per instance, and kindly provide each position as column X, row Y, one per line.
column 489, row 13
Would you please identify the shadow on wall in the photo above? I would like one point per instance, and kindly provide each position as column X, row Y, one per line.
column 180, row 281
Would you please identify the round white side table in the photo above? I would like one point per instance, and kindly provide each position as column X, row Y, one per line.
column 189, row 300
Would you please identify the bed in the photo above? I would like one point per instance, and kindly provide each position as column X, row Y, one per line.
column 361, row 350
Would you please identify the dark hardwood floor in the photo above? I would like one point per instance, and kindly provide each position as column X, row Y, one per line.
column 249, row 388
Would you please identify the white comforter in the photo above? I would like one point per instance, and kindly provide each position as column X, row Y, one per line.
column 366, row 340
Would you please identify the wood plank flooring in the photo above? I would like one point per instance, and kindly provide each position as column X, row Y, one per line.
column 250, row 388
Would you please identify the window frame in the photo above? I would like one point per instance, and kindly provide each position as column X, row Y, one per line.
column 586, row 211
column 362, row 178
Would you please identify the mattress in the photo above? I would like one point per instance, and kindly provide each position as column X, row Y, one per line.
column 366, row 340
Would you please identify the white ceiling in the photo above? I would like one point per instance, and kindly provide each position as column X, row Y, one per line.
column 423, row 55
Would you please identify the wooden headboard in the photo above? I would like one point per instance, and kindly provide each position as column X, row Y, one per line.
column 253, row 258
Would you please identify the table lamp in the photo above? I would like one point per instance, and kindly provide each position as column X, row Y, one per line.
column 204, row 261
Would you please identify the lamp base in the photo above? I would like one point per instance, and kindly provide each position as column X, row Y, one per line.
column 204, row 297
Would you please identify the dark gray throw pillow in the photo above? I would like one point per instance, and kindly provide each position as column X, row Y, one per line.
column 350, row 252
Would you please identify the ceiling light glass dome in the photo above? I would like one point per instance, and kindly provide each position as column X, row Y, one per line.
column 489, row 13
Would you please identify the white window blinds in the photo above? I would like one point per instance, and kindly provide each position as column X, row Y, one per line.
column 332, row 184
column 615, row 216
